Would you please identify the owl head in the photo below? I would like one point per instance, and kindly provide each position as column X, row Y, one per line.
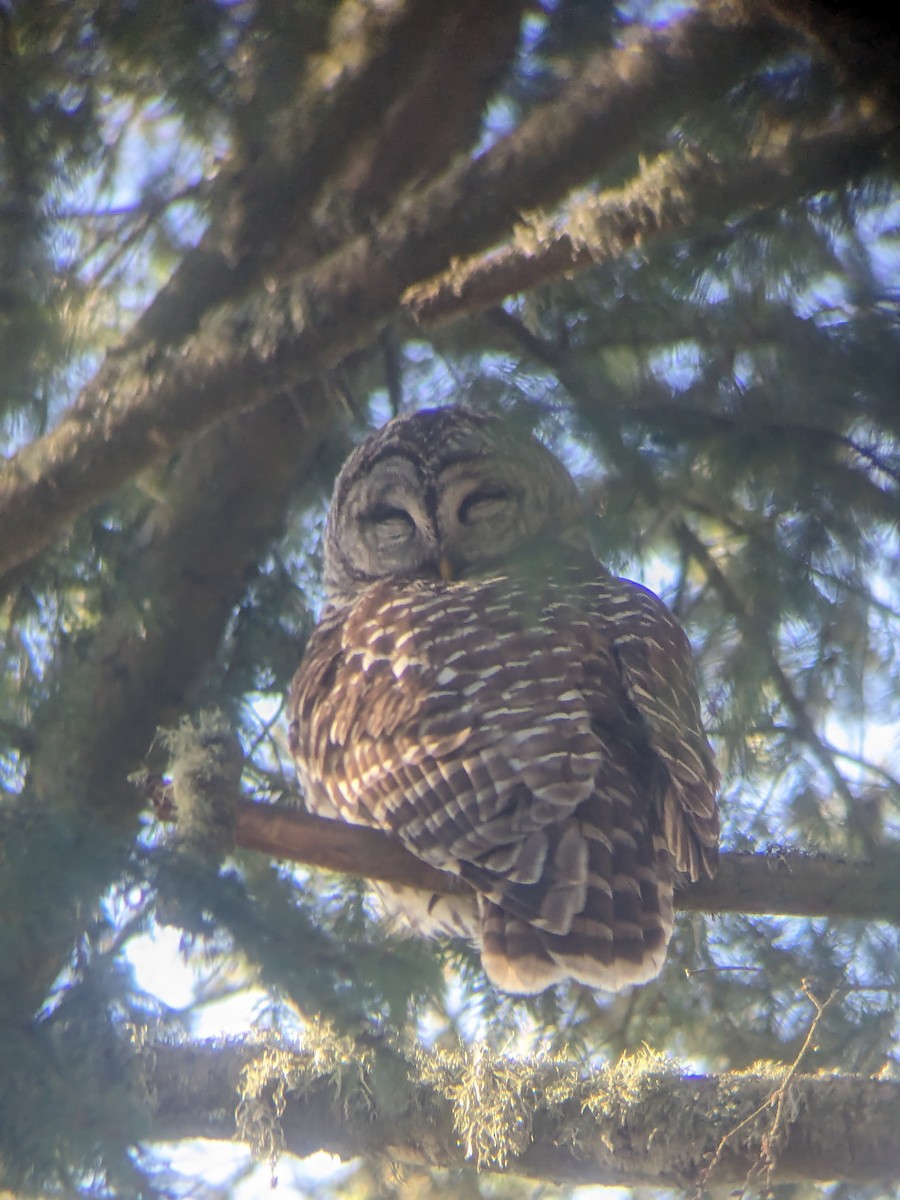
column 446, row 494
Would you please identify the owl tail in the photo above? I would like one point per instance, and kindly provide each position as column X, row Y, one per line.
column 618, row 939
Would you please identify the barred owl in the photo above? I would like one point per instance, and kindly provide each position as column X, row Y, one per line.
column 480, row 687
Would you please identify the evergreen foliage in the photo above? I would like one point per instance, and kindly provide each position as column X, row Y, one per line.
column 233, row 238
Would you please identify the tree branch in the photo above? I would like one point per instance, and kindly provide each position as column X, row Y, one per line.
column 638, row 1122
column 675, row 194
column 66, row 840
column 225, row 498
column 302, row 837
column 780, row 882
column 134, row 412
column 373, row 55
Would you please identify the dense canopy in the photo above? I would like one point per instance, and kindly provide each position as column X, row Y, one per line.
column 236, row 236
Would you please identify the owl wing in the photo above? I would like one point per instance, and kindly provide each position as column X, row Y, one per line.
column 547, row 748
column 656, row 664
column 454, row 718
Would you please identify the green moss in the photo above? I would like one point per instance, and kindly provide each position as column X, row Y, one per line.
column 205, row 763
column 280, row 1072
column 494, row 1098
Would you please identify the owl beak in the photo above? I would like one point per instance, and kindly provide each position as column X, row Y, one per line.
column 445, row 569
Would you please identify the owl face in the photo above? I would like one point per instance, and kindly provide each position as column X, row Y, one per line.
column 442, row 494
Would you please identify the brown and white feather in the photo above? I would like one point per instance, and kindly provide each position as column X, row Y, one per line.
column 538, row 736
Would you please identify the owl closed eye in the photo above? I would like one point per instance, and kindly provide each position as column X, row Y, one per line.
column 481, row 688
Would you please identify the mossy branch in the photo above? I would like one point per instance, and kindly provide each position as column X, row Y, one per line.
column 675, row 195
column 640, row 1121
column 224, row 499
column 133, row 414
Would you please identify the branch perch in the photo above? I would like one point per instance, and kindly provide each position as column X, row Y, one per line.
column 787, row 883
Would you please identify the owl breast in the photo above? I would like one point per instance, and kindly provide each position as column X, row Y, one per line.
column 540, row 740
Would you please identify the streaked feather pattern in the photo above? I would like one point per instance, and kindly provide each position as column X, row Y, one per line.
column 543, row 741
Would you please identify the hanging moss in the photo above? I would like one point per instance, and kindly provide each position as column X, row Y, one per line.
column 270, row 1079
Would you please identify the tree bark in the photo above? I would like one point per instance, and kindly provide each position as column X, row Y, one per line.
column 676, row 195
column 639, row 1122
column 781, row 882
column 135, row 412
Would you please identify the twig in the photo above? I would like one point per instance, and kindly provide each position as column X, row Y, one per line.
column 780, row 1123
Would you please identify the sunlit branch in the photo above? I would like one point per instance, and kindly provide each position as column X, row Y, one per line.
column 133, row 413
column 627, row 1124
column 676, row 193
column 781, row 881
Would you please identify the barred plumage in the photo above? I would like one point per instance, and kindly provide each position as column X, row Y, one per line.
column 532, row 726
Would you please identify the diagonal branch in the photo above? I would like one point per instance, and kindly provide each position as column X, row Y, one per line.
column 374, row 53
column 226, row 497
column 675, row 194
column 67, row 838
column 136, row 410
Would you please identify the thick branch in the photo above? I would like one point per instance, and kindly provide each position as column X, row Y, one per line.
column 791, row 883
column 224, row 502
column 654, row 1127
column 784, row 884
column 225, row 498
column 135, row 411
column 420, row 134
column 373, row 55
column 675, row 194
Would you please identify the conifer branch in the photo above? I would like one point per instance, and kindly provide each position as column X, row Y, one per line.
column 638, row 1122
column 372, row 57
column 675, row 195
column 135, row 413
column 224, row 501
column 781, row 881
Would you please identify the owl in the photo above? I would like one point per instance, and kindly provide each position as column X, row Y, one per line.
column 481, row 688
